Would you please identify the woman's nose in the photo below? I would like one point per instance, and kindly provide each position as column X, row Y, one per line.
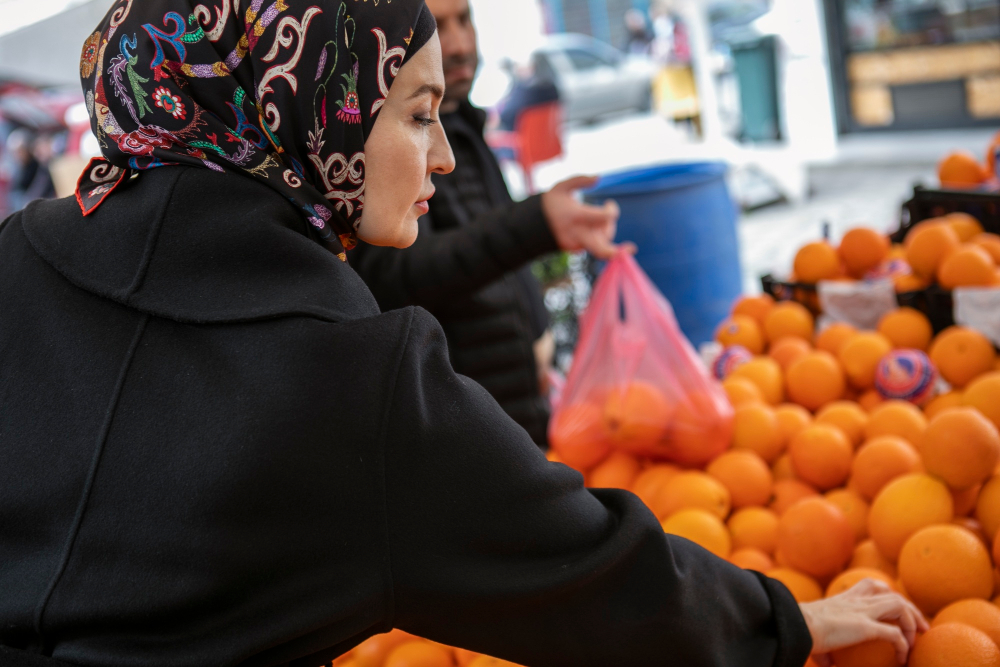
column 441, row 158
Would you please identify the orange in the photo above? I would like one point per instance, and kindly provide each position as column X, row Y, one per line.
column 848, row 417
column 758, row 307
column 637, row 416
column 577, row 436
column 983, row 394
column 860, row 356
column 904, row 506
column 978, row 614
column 754, row 528
column 782, row 468
column 802, row 587
column 988, row 507
column 881, row 460
column 753, row 559
column 464, row 657
column 962, row 355
column 701, row 527
column 899, row 418
column 373, row 651
column 966, row 226
column 788, row 492
column 927, row 247
column 651, row 480
column 821, row 456
column 954, row 644
column 996, row 551
column 691, row 490
column 965, row 501
column 815, row 380
column 789, row 319
column 952, row 399
column 907, row 328
column 741, row 330
column 870, row 400
column 419, row 654
column 862, row 250
column 961, row 446
column 815, row 537
column 854, row 508
column 618, row 471
column 487, row 661
column 848, row 578
column 910, row 283
column 755, row 427
column 990, row 243
column 788, row 350
column 745, row 475
column 741, row 391
column 702, row 428
column 867, row 555
column 872, row 653
column 943, row 564
column 792, row 418
column 767, row 375
column 961, row 169
column 832, row 338
column 816, row 261
column 969, row 266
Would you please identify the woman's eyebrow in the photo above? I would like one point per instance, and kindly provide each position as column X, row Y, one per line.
column 434, row 89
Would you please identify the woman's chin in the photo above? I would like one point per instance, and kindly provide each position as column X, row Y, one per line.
column 402, row 236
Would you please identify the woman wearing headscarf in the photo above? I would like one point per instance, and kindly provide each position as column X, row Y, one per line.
column 215, row 450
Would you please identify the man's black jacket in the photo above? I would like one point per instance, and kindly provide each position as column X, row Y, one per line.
column 468, row 267
column 214, row 450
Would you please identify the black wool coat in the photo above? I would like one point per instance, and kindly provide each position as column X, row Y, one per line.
column 469, row 269
column 215, row 450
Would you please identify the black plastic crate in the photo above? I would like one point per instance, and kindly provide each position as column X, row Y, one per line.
column 925, row 204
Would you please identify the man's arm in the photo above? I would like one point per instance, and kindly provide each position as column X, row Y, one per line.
column 443, row 265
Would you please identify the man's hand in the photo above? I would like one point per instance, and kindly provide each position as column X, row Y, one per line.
column 869, row 610
column 579, row 226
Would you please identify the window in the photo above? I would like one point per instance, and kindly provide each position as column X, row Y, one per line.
column 585, row 60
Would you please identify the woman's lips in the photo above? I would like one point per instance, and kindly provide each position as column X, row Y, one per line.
column 423, row 207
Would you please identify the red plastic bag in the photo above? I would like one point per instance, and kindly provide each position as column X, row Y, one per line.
column 636, row 384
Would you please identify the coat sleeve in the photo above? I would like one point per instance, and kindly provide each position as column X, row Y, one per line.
column 443, row 265
column 495, row 549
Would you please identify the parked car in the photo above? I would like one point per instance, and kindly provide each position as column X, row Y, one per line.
column 593, row 78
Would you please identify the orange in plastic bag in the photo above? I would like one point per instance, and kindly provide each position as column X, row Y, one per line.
column 656, row 398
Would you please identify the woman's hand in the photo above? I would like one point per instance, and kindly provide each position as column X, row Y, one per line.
column 869, row 610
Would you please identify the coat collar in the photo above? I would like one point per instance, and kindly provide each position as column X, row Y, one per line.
column 197, row 246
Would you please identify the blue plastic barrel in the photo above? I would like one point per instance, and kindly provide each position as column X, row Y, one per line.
column 683, row 220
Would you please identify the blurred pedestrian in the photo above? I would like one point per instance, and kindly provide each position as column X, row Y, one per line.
column 640, row 39
column 32, row 179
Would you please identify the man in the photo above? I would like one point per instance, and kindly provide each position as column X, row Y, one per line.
column 469, row 265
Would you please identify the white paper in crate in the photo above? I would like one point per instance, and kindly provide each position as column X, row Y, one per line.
column 979, row 309
column 861, row 305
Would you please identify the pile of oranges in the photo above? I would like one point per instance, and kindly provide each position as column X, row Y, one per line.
column 951, row 251
column 825, row 483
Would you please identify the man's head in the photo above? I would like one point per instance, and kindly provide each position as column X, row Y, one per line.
column 459, row 49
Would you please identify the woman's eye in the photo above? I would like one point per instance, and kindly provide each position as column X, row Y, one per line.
column 425, row 121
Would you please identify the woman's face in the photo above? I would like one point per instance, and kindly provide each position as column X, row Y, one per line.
column 406, row 146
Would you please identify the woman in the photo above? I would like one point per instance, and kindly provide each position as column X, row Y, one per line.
column 216, row 450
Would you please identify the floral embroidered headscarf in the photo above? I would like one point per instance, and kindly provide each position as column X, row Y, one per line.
column 285, row 91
